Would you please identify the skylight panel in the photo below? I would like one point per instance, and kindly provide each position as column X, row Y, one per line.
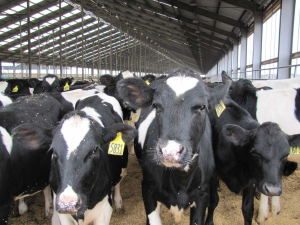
column 13, row 26
column 17, row 8
column 63, row 4
column 52, row 21
column 76, row 11
column 37, row 15
column 45, row 12
column 53, row 8
column 36, row 1
column 68, row 14
column 4, row 29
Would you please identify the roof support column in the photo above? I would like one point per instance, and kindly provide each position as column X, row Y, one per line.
column 82, row 41
column 29, row 37
column 14, row 69
column 235, row 54
column 60, row 44
column 229, row 61
column 0, row 68
column 257, row 44
column 243, row 52
column 286, row 37
column 225, row 62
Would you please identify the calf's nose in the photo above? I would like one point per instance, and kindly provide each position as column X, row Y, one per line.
column 272, row 190
column 171, row 151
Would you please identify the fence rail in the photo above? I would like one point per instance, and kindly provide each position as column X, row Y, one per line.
column 264, row 74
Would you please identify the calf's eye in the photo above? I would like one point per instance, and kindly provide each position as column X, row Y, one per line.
column 202, row 107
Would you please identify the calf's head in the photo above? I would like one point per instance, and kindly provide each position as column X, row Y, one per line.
column 79, row 156
column 179, row 105
column 266, row 149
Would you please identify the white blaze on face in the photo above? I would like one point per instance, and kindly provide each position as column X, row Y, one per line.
column 127, row 74
column 50, row 80
column 144, row 127
column 171, row 151
column 92, row 113
column 181, row 84
column 74, row 130
column 6, row 139
column 68, row 196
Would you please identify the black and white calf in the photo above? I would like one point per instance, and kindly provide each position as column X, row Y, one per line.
column 24, row 156
column 174, row 142
column 281, row 106
column 82, row 171
column 248, row 154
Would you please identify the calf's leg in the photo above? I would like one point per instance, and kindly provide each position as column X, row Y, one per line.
column 248, row 203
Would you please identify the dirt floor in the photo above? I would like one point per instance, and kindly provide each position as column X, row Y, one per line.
column 228, row 211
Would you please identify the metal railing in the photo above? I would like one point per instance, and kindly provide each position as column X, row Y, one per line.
column 264, row 74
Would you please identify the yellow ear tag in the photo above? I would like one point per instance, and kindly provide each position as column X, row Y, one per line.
column 66, row 87
column 295, row 150
column 116, row 147
column 220, row 108
column 147, row 82
column 15, row 89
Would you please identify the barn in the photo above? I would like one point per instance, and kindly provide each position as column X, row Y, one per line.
column 205, row 93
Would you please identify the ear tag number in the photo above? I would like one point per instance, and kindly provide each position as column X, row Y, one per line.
column 147, row 82
column 220, row 108
column 116, row 147
column 295, row 150
column 66, row 87
column 15, row 89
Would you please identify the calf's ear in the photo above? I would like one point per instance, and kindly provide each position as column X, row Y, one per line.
column 235, row 134
column 107, row 80
column 135, row 92
column 33, row 82
column 218, row 93
column 225, row 77
column 110, row 133
column 32, row 136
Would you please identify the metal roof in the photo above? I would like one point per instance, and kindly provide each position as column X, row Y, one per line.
column 193, row 33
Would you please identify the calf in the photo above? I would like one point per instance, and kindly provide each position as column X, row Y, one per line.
column 174, row 142
column 149, row 78
column 25, row 159
column 19, row 87
column 82, row 169
column 280, row 106
column 248, row 154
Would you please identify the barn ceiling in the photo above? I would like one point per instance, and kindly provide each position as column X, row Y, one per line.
column 194, row 33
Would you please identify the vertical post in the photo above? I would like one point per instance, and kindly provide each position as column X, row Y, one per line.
column 286, row 37
column 29, row 37
column 53, row 66
column 140, row 59
column 257, row 43
column 47, row 69
column 66, row 55
column 60, row 39
column 76, row 59
column 229, row 61
column 21, row 45
column 110, row 53
column 39, row 63
column 82, row 41
column 14, row 69
column 0, row 68
column 243, row 56
column 235, row 54
column 99, row 50
column 93, row 60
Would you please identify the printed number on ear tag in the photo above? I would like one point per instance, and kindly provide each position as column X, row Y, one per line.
column 15, row 89
column 147, row 82
column 116, row 147
column 66, row 87
column 295, row 150
column 220, row 108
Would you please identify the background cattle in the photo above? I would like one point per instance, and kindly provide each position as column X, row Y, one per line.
column 278, row 84
column 174, row 142
column 280, row 106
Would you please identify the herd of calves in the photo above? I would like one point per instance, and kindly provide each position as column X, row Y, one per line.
column 71, row 142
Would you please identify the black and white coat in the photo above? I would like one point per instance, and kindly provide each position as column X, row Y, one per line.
column 82, row 171
column 174, row 143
